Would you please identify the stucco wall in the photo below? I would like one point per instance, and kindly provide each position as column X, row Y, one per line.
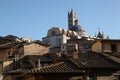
column 35, row 48
column 97, row 47
column 56, row 40
column 4, row 52
column 106, row 47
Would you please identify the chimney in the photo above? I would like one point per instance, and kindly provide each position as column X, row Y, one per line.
column 39, row 65
column 75, row 55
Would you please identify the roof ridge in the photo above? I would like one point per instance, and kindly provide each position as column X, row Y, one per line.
column 46, row 66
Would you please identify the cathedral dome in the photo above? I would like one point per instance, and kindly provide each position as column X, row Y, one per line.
column 79, row 30
column 54, row 31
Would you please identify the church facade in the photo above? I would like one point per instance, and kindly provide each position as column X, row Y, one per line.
column 57, row 36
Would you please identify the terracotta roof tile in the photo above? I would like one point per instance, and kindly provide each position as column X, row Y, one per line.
column 61, row 67
column 94, row 60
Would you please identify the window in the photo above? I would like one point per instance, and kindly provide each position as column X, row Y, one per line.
column 9, row 54
column 113, row 48
column 59, row 42
column 53, row 33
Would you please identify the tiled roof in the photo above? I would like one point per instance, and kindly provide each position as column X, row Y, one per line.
column 94, row 60
column 10, row 45
column 41, row 43
column 11, row 37
column 61, row 67
column 30, row 61
column 6, row 45
column 7, row 39
column 43, row 58
column 111, row 40
column 17, row 71
column 58, row 68
column 70, row 65
column 37, row 42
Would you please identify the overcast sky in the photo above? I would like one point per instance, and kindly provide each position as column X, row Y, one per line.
column 33, row 18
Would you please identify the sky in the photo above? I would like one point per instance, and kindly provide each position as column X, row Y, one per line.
column 33, row 18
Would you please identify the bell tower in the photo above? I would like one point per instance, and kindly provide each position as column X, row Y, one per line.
column 71, row 19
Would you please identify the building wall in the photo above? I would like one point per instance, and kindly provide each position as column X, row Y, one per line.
column 5, row 55
column 84, row 45
column 6, row 65
column 105, row 78
column 109, row 77
column 21, row 51
column 55, row 50
column 97, row 47
column 56, row 41
column 107, row 46
column 68, row 48
column 35, row 48
column 4, row 52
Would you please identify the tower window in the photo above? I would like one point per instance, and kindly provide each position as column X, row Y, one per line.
column 53, row 33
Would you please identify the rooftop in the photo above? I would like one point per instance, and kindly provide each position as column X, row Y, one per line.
column 95, row 60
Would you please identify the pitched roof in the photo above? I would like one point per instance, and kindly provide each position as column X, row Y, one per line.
column 41, row 43
column 6, row 45
column 111, row 40
column 36, row 42
column 58, row 68
column 3, row 40
column 10, row 45
column 43, row 58
column 10, row 37
column 94, row 60
column 62, row 67
column 17, row 71
column 70, row 66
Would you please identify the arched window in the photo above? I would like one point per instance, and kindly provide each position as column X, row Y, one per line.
column 53, row 33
